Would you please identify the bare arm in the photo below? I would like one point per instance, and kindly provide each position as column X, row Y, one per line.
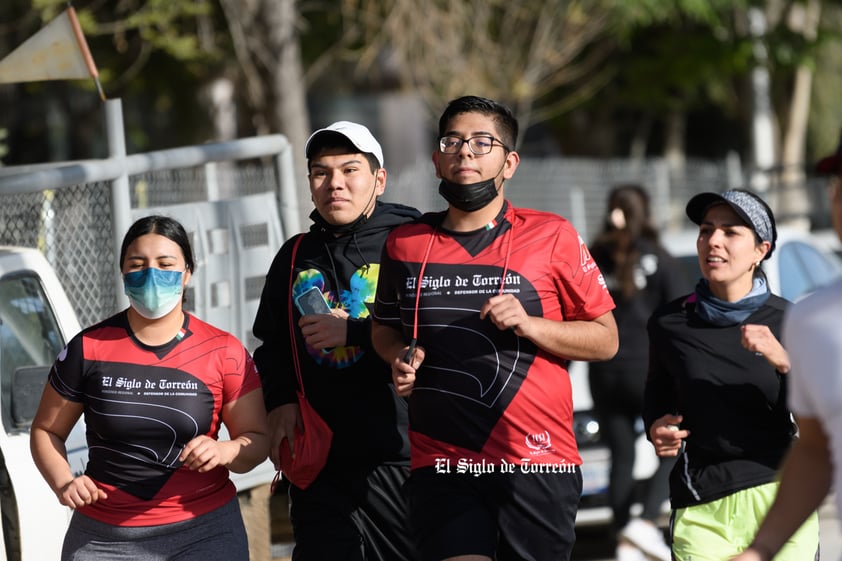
column 805, row 482
column 576, row 340
column 325, row 331
column 53, row 422
column 245, row 418
column 283, row 420
column 667, row 437
column 760, row 339
column 388, row 342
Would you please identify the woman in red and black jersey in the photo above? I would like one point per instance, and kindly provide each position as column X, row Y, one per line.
column 154, row 383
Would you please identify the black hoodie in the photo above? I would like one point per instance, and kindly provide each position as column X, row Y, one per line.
column 350, row 386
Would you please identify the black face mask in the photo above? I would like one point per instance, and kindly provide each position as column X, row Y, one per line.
column 468, row 198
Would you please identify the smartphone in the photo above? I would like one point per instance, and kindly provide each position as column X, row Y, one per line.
column 312, row 301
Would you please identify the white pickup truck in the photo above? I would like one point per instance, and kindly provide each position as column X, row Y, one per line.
column 36, row 320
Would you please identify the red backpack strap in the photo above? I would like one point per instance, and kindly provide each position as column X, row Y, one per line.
column 295, row 360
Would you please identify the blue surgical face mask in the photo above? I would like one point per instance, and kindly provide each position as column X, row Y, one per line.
column 153, row 293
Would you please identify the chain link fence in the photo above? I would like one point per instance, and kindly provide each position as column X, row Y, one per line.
column 73, row 223
column 72, row 227
column 578, row 188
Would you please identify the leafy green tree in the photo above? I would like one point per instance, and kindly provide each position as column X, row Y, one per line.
column 629, row 73
column 154, row 55
column 516, row 51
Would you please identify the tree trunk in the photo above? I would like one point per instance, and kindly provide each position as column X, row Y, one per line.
column 763, row 115
column 674, row 150
column 794, row 198
column 289, row 115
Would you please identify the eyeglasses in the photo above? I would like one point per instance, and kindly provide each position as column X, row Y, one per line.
column 479, row 145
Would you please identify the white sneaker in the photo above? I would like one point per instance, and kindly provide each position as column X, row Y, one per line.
column 648, row 538
column 628, row 552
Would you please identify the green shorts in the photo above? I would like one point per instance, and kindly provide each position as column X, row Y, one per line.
column 723, row 528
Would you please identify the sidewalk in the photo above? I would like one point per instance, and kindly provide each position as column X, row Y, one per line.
column 830, row 531
column 282, row 540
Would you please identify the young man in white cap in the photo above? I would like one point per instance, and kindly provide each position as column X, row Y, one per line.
column 354, row 510
column 814, row 341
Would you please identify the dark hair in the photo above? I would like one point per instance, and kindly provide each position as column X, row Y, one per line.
column 633, row 200
column 163, row 226
column 503, row 117
column 329, row 140
column 615, row 250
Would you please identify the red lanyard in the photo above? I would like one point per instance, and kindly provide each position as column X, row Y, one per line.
column 420, row 279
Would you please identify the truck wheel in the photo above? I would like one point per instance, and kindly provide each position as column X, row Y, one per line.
column 9, row 511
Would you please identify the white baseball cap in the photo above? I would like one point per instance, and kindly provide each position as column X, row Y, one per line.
column 357, row 134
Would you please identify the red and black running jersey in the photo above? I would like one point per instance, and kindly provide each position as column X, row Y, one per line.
column 482, row 395
column 142, row 405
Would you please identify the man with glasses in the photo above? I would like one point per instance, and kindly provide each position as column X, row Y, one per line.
column 479, row 309
column 814, row 341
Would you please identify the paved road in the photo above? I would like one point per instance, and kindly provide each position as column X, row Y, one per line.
column 592, row 545
column 830, row 532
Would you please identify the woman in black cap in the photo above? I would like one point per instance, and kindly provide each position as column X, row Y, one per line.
column 716, row 388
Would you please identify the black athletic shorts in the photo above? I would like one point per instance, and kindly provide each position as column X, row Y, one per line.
column 353, row 516
column 504, row 516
